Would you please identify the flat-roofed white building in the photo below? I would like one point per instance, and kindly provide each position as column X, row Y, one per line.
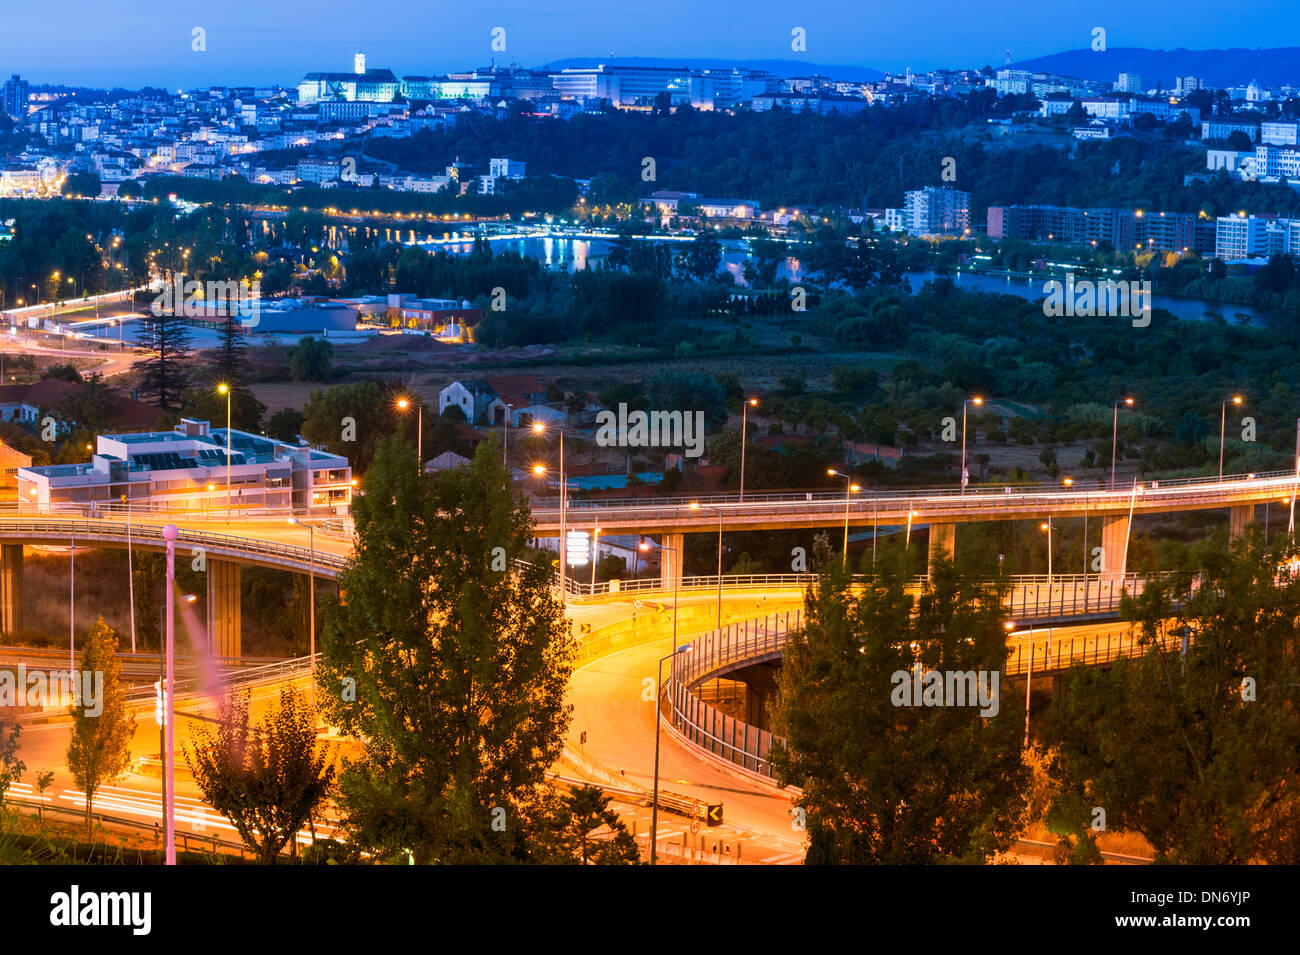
column 185, row 470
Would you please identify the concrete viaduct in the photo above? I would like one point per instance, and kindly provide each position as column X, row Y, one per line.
column 271, row 542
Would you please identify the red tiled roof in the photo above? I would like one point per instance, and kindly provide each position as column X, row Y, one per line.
column 511, row 386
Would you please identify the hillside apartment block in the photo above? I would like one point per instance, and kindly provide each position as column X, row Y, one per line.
column 185, row 470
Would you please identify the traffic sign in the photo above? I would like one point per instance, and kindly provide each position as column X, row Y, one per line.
column 714, row 817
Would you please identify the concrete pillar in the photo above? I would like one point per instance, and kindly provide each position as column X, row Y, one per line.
column 943, row 541
column 224, row 609
column 1238, row 518
column 670, row 561
column 1114, row 540
column 760, row 693
column 11, row 589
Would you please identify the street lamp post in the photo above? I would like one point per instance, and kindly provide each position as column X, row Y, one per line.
column 130, row 567
column 1223, row 422
column 695, row 506
column 968, row 401
column 311, row 605
column 403, row 404
column 744, row 421
column 169, row 751
column 505, row 443
column 540, row 428
column 72, row 607
column 1114, row 438
column 224, row 389
column 654, row 805
column 1048, row 528
column 849, row 488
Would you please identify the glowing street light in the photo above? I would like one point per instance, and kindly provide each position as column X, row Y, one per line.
column 849, row 489
column 402, row 405
column 744, row 421
column 965, row 479
column 224, row 389
column 539, row 427
column 1114, row 439
column 1223, row 421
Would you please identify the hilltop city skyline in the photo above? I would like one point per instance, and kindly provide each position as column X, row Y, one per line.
column 150, row 43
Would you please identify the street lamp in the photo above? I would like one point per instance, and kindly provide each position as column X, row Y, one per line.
column 311, row 604
column 1114, row 439
column 695, row 506
column 169, row 751
column 1048, row 528
column 849, row 489
column 224, row 389
column 968, row 401
column 654, row 805
column 1223, row 421
column 539, row 427
column 130, row 567
column 402, row 405
column 505, row 443
column 744, row 421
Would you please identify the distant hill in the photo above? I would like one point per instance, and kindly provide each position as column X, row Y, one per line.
column 776, row 67
column 1219, row 68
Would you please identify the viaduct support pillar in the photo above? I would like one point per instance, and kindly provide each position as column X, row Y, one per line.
column 1114, row 541
column 670, row 561
column 943, row 541
column 224, row 609
column 11, row 588
column 1238, row 518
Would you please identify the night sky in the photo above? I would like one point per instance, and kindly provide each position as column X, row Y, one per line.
column 148, row 42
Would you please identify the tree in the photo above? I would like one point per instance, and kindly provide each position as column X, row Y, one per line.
column 285, row 425
column 349, row 420
column 702, row 257
column 589, row 813
column 208, row 404
column 11, row 767
column 309, row 360
column 43, row 781
column 163, row 374
column 886, row 780
column 448, row 662
column 232, row 357
column 269, row 780
column 1193, row 745
column 100, row 749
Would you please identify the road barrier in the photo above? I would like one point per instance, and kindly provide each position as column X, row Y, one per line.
column 711, row 654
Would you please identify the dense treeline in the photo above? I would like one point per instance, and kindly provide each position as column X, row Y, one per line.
column 868, row 159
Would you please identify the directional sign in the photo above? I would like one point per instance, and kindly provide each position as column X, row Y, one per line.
column 714, row 817
column 577, row 547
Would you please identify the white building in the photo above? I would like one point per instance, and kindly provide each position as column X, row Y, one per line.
column 506, row 168
column 1279, row 133
column 1229, row 159
column 185, row 470
column 1129, row 83
column 1240, row 237
column 936, row 210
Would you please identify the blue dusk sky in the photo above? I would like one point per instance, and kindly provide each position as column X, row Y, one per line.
column 148, row 42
